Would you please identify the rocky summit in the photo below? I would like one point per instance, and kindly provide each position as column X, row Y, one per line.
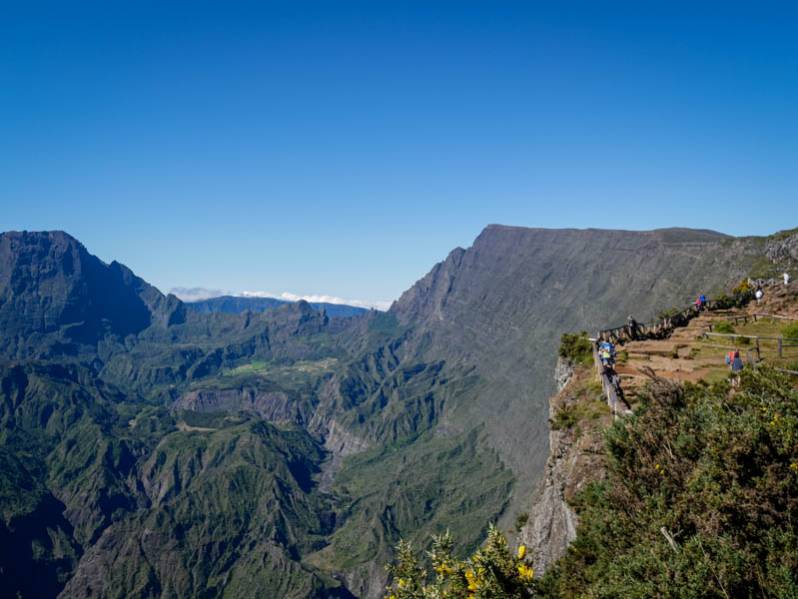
column 152, row 449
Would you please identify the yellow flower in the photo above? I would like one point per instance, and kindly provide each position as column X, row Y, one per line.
column 401, row 583
column 473, row 585
column 521, row 551
column 525, row 572
column 794, row 466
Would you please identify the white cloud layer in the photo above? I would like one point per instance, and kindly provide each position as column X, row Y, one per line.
column 195, row 294
column 319, row 299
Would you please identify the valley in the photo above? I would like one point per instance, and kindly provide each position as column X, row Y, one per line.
column 154, row 450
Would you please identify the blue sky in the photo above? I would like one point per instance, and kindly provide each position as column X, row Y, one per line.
column 344, row 147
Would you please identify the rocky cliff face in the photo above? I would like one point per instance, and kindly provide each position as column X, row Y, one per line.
column 575, row 459
column 500, row 306
column 274, row 405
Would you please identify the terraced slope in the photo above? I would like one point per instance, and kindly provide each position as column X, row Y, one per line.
column 689, row 355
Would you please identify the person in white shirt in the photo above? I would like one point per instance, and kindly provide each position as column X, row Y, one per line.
column 786, row 278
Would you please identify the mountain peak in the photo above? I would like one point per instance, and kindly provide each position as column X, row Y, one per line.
column 56, row 296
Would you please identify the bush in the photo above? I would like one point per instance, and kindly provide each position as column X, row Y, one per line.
column 521, row 520
column 790, row 331
column 743, row 288
column 669, row 313
column 576, row 347
column 564, row 418
column 492, row 572
column 719, row 472
column 724, row 327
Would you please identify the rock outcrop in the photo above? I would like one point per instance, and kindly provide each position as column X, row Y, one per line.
column 575, row 459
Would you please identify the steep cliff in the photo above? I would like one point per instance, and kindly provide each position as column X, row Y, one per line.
column 578, row 418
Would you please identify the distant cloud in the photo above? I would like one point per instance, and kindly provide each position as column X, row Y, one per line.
column 195, row 294
column 318, row 299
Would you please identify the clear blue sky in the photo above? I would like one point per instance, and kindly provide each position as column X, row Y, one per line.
column 344, row 147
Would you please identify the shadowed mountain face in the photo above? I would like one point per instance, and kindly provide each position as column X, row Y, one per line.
column 55, row 296
column 151, row 450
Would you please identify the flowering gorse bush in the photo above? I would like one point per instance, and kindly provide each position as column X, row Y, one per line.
column 493, row 572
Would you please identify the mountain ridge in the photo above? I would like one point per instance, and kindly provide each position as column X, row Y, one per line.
column 430, row 416
column 235, row 304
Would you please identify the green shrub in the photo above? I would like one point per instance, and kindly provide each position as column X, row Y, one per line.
column 565, row 418
column 521, row 520
column 576, row 347
column 724, row 327
column 790, row 331
column 719, row 472
column 742, row 295
column 669, row 313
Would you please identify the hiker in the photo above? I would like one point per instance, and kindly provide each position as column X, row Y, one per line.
column 700, row 302
column 736, row 365
column 734, row 361
column 607, row 354
column 633, row 328
column 759, row 294
column 786, row 278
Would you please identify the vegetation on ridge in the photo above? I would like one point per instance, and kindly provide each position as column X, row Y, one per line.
column 714, row 467
column 700, row 500
column 576, row 347
column 493, row 571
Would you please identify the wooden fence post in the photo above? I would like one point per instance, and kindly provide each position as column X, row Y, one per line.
column 758, row 353
column 781, row 347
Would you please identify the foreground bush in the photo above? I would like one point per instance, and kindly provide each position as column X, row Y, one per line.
column 493, row 572
column 576, row 347
column 700, row 500
column 790, row 331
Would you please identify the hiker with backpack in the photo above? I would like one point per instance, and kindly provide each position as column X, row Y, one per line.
column 701, row 302
column 736, row 365
column 734, row 361
column 607, row 355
